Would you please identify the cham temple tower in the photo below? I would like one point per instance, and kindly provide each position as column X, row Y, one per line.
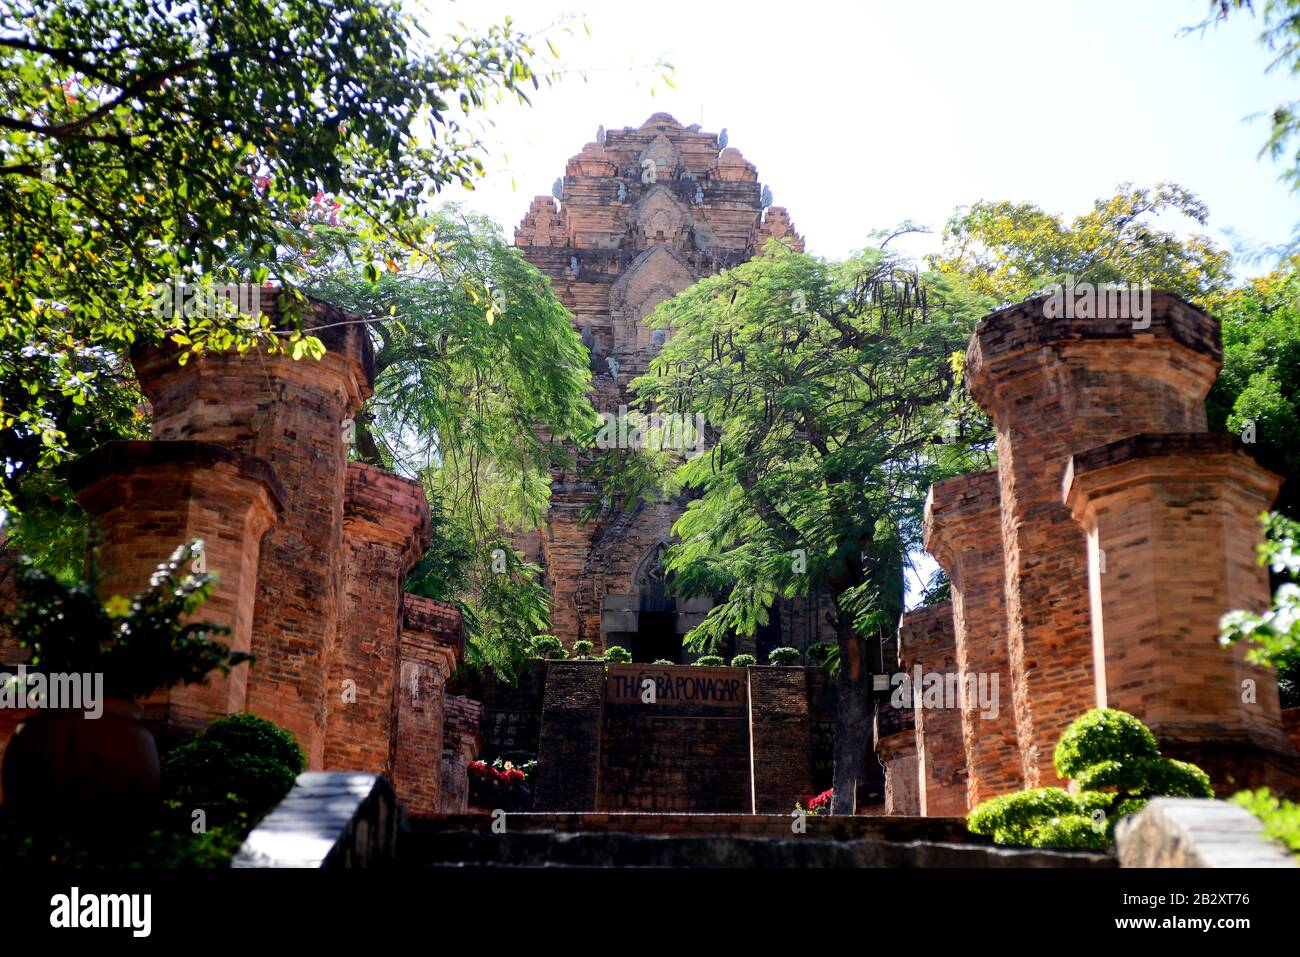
column 643, row 214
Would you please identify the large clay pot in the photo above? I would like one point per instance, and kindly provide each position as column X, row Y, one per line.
column 61, row 762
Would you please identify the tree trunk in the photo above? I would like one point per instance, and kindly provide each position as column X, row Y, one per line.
column 852, row 718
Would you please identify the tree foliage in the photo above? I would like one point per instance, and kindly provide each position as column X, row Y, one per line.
column 147, row 140
column 480, row 378
column 824, row 386
column 1008, row 251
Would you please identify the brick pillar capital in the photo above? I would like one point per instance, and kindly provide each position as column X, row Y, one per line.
column 958, row 512
column 1024, row 341
column 432, row 631
column 384, row 508
column 925, row 636
column 1091, row 476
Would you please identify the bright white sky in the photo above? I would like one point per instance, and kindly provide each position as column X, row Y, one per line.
column 860, row 115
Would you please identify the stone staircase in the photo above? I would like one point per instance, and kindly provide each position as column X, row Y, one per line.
column 711, row 840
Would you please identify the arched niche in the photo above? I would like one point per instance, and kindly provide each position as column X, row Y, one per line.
column 655, row 275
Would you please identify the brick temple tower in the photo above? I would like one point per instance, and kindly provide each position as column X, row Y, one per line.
column 643, row 214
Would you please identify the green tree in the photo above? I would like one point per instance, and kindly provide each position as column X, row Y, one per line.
column 824, row 387
column 145, row 140
column 1008, row 251
column 1281, row 37
column 1257, row 393
column 479, row 380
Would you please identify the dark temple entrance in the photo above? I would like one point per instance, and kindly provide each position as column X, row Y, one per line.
column 656, row 637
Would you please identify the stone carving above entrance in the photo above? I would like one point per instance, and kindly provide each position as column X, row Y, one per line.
column 657, row 274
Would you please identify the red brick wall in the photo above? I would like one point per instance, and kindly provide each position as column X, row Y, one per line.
column 432, row 639
column 925, row 638
column 290, row 414
column 1054, row 386
column 963, row 530
column 386, row 527
column 461, row 722
column 779, row 738
column 1175, row 516
column 148, row 498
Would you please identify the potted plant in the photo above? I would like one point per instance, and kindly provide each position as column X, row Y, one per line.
column 100, row 757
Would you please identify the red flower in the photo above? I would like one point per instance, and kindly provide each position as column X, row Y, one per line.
column 820, row 801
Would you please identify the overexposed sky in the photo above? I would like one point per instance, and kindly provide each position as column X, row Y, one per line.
column 862, row 114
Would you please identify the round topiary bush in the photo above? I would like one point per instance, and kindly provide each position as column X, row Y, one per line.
column 1115, row 765
column 783, row 656
column 743, row 661
column 239, row 764
column 663, row 661
column 618, row 654
column 547, row 646
column 1101, row 735
column 709, row 661
column 583, row 650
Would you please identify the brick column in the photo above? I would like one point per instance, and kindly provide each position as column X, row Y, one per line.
column 780, row 739
column 1172, row 537
column 926, row 642
column 963, row 531
column 895, row 737
column 1054, row 386
column 291, row 414
column 462, row 735
column 147, row 498
column 573, row 710
column 385, row 529
column 432, row 643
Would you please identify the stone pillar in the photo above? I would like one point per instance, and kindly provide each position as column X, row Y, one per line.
column 1054, row 385
column 432, row 643
column 780, row 739
column 292, row 414
column 926, row 646
column 573, row 711
column 385, row 529
column 1172, row 529
column 462, row 735
column 963, row 531
column 148, row 498
column 895, row 737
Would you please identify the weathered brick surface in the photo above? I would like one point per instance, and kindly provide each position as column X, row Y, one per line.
column 823, row 703
column 432, row 642
column 963, row 531
column 1291, row 724
column 290, row 414
column 1175, row 517
column 1054, row 387
column 925, row 639
column 780, row 738
column 147, row 498
column 895, row 741
column 462, row 720
column 568, row 771
column 385, row 529
column 614, row 250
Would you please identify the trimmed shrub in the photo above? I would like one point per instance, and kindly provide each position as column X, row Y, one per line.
column 1281, row 818
column 709, row 661
column 582, row 650
column 240, row 763
column 783, row 656
column 663, row 661
column 743, row 661
column 618, row 654
column 1116, row 767
column 547, row 646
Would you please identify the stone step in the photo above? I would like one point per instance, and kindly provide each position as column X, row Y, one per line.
column 712, row 840
column 551, row 849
